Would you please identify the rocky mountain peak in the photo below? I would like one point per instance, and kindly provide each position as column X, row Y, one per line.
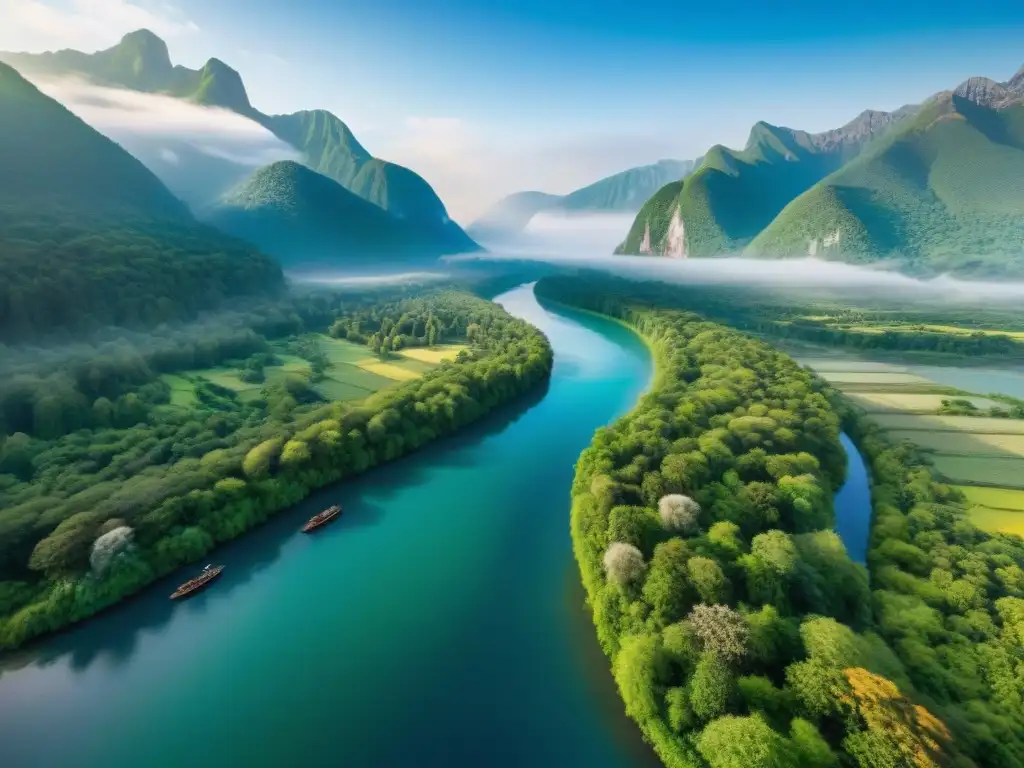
column 986, row 93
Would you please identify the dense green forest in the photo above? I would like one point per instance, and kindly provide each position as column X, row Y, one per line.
column 105, row 485
column 740, row 632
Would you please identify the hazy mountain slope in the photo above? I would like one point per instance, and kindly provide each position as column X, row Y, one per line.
column 89, row 236
column 944, row 193
column 628, row 190
column 141, row 62
column 513, row 213
column 301, row 216
column 621, row 192
column 50, row 157
column 733, row 194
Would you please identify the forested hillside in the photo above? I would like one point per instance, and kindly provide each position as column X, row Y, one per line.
column 733, row 195
column 142, row 62
column 741, row 634
column 109, row 480
column 88, row 236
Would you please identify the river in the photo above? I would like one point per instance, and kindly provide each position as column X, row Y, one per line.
column 440, row 621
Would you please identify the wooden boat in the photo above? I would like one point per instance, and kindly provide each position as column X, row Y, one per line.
column 321, row 518
column 192, row 586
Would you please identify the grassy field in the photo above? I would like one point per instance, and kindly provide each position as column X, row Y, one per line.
column 872, row 377
column 984, row 456
column 353, row 372
column 994, row 498
column 936, row 423
column 964, row 443
column 904, row 402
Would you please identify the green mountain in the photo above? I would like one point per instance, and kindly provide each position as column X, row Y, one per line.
column 733, row 195
column 89, row 236
column 942, row 193
column 628, row 190
column 141, row 62
column 301, row 216
column 625, row 191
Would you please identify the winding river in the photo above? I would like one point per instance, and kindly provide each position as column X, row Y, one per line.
column 439, row 622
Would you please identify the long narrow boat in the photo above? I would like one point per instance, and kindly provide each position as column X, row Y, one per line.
column 321, row 518
column 192, row 586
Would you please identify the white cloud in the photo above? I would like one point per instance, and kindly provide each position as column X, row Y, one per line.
column 169, row 156
column 44, row 25
column 472, row 166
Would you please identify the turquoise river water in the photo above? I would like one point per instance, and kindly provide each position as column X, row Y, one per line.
column 439, row 622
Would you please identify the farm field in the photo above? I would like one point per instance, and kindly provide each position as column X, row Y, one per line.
column 905, row 402
column 941, row 423
column 352, row 373
column 983, row 456
column 964, row 443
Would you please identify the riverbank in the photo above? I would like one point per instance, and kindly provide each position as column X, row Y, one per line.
column 233, row 488
column 649, row 574
column 440, row 618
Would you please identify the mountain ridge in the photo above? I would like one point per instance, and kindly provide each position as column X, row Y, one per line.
column 624, row 191
column 928, row 187
column 141, row 61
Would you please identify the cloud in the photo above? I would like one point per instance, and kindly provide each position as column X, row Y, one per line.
column 169, row 156
column 44, row 25
column 471, row 166
column 124, row 115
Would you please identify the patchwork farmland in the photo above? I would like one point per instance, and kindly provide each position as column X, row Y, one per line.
column 972, row 440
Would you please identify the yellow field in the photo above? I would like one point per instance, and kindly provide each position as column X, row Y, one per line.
column 994, row 498
column 951, row 329
column 388, row 370
column 997, row 520
column 885, row 402
column 434, row 355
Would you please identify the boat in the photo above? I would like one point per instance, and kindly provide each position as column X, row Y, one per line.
column 192, row 586
column 321, row 518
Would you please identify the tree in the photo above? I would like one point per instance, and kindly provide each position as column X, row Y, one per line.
column 679, row 513
column 721, row 630
column 108, row 546
column 665, row 588
column 743, row 742
column 623, row 563
column 707, row 577
column 712, row 688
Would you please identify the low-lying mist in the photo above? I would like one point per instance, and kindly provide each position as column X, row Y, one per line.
column 588, row 240
column 198, row 152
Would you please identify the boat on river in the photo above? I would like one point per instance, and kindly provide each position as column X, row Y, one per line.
column 321, row 518
column 192, row 586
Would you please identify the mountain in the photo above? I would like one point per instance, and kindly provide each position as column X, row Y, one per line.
column 513, row 213
column 622, row 192
column 301, row 216
column 943, row 193
column 141, row 62
column 733, row 195
column 90, row 236
column 628, row 190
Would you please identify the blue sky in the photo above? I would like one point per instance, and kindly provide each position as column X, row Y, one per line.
column 488, row 97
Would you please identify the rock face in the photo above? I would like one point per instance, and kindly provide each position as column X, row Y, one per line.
column 987, row 93
column 645, row 244
column 675, row 238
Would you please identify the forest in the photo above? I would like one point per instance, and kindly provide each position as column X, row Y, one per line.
column 105, row 485
column 64, row 273
column 740, row 632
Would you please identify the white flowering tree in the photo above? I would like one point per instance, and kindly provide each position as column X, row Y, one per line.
column 623, row 563
column 679, row 513
column 108, row 546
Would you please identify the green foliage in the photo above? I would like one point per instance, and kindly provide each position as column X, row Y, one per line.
column 184, row 478
column 761, row 630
